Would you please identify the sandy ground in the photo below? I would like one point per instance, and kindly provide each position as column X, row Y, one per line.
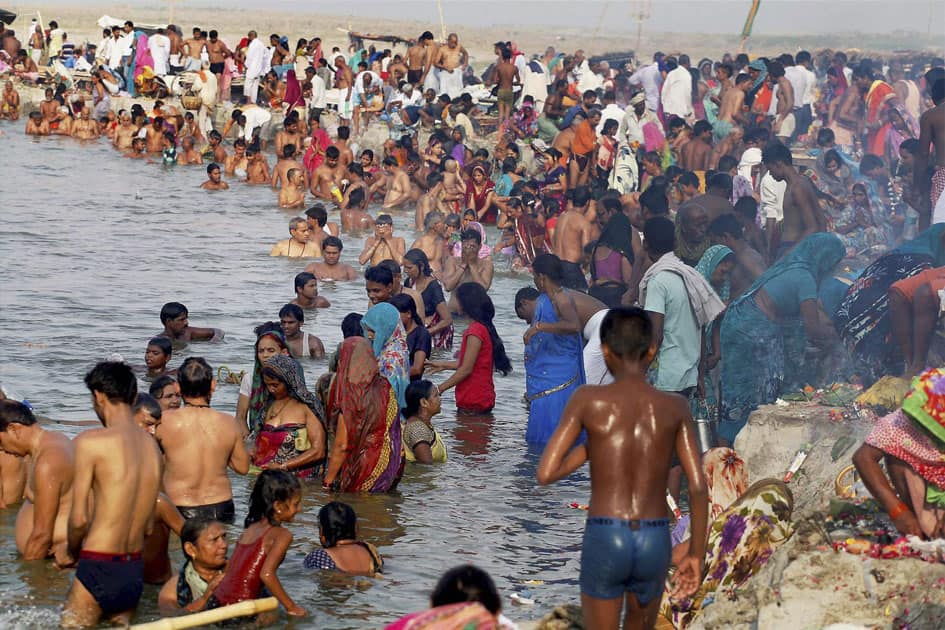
column 232, row 25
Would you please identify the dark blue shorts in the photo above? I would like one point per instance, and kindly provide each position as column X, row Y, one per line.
column 625, row 556
column 114, row 580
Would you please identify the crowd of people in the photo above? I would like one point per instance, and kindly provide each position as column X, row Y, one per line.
column 684, row 264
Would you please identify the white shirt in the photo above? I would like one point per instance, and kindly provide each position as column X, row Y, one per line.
column 255, row 59
column 160, row 46
column 114, row 54
column 798, row 78
column 407, row 101
column 651, row 79
column 256, row 117
column 808, row 97
column 772, row 198
column 104, row 50
column 631, row 127
column 676, row 93
column 359, row 81
column 318, row 100
column 125, row 43
column 611, row 112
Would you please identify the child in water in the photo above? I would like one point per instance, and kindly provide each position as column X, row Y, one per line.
column 169, row 154
column 422, row 443
column 341, row 550
column 276, row 499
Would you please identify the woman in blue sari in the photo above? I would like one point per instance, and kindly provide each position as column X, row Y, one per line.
column 782, row 303
column 716, row 267
column 554, row 366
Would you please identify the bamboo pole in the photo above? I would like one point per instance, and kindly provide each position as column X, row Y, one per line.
column 207, row 617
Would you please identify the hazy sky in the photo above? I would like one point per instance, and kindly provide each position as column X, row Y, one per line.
column 775, row 17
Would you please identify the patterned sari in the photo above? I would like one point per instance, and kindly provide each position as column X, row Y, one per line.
column 365, row 401
column 390, row 346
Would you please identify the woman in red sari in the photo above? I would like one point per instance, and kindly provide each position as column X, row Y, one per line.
column 877, row 99
column 368, row 453
column 480, row 196
column 315, row 153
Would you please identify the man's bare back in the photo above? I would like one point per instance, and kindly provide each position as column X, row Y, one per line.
column 571, row 235
column 43, row 521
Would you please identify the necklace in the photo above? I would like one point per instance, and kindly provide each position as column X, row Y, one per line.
column 207, row 406
column 272, row 413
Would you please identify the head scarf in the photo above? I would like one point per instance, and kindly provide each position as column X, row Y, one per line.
column 759, row 65
column 290, row 372
column 925, row 404
column 258, row 394
column 484, row 250
column 707, row 265
column 751, row 157
column 638, row 98
column 928, row 243
column 617, row 235
column 293, row 91
column 143, row 57
column 389, row 346
column 817, row 254
column 896, row 137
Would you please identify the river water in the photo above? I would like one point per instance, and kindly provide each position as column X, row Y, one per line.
column 93, row 244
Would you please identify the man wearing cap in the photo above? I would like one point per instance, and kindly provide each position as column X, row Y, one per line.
column 625, row 175
column 912, row 442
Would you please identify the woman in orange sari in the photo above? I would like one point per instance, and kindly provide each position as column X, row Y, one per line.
column 877, row 99
column 367, row 454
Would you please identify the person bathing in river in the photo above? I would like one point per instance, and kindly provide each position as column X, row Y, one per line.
column 214, row 178
column 204, row 545
column 174, row 316
column 300, row 342
column 306, row 292
column 156, row 357
column 341, row 550
column 422, row 443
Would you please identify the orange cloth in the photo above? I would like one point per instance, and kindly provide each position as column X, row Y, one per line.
column 762, row 100
column 935, row 278
column 585, row 139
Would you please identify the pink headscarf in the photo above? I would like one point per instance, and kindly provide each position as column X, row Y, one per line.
column 143, row 58
column 293, row 91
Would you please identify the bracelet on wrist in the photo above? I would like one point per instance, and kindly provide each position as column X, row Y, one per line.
column 898, row 510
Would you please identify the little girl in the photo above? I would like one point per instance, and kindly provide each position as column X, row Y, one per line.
column 422, row 443
column 341, row 550
column 276, row 499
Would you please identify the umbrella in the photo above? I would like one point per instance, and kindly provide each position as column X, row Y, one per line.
column 7, row 17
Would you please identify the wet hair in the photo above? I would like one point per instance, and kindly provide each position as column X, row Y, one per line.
column 356, row 197
column 466, row 583
column 318, row 214
column 384, row 219
column 581, row 196
column 337, row 521
column 356, row 168
column 271, row 486
column 215, row 134
column 292, row 310
column 15, row 412
column 406, row 304
column 369, row 153
column 777, row 153
column 419, row 258
column 727, row 163
column 344, row 132
column 548, row 265
column 742, row 78
column 191, row 531
column 910, row 145
column 775, row 69
column 416, row 392
column 379, row 274
column 525, row 294
column 727, row 67
column 332, row 153
column 477, row 304
column 654, row 200
column 172, row 310
column 332, row 241
column 825, row 136
column 627, row 332
column 687, row 178
column 701, row 127
column 158, row 384
column 114, row 379
column 288, row 150
column 149, row 404
column 728, row 224
column 301, row 279
column 469, row 212
column 659, row 234
column 195, row 377
column 471, row 235
column 162, row 343
column 268, row 327
column 351, row 325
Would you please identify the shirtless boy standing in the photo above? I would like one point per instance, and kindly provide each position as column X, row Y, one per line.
column 121, row 466
column 626, row 549
column 803, row 215
column 195, row 478
column 42, row 523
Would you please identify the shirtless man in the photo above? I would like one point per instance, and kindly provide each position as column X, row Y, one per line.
column 125, row 132
column 572, row 234
column 354, row 218
column 306, row 292
column 299, row 244
column 42, row 522
column 451, row 60
column 10, row 104
column 784, row 122
column 214, row 178
column 345, row 154
column 319, row 225
column 285, row 163
column 217, row 52
column 383, row 245
column 749, row 264
column 120, row 465
column 214, row 149
column 432, row 242
column 196, row 476
column 454, row 186
column 626, row 553
column 730, row 111
column 345, row 84
column 803, row 215
column 290, row 133
column 49, row 108
column 192, row 48
column 468, row 267
column 300, row 342
column 293, row 195
column 431, row 201
column 398, row 191
column 188, row 154
column 85, row 128
column 698, row 151
column 506, row 76
column 175, row 318
column 420, row 59
column 154, row 140
column 36, row 125
column 257, row 168
column 139, row 150
column 13, row 471
column 326, row 175
column 330, row 267
column 237, row 163
column 932, row 132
